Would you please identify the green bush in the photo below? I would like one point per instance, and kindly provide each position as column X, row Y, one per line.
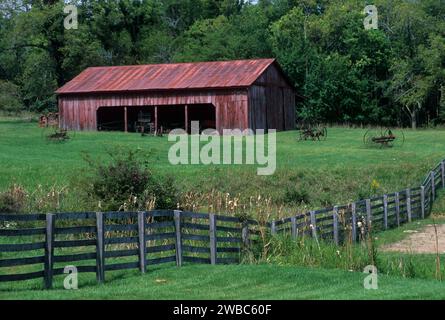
column 10, row 101
column 13, row 200
column 163, row 190
column 295, row 196
column 127, row 183
column 114, row 183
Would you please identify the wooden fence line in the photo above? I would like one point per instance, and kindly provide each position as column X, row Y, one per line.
column 162, row 236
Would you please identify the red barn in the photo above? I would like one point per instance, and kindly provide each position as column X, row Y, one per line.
column 240, row 94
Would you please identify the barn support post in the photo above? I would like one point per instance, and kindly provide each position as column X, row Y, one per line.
column 125, row 119
column 156, row 119
column 186, row 117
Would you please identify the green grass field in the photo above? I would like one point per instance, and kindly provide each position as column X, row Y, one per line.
column 331, row 172
column 268, row 282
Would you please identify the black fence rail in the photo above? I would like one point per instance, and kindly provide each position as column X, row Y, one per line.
column 354, row 220
column 99, row 242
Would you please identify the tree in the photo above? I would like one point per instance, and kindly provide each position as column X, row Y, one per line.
column 10, row 101
column 409, row 87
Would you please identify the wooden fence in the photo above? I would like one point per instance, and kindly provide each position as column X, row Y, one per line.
column 137, row 240
column 151, row 238
column 354, row 220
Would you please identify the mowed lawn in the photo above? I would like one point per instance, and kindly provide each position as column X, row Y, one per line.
column 268, row 282
column 333, row 171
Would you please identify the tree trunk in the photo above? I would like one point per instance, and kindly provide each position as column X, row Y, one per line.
column 413, row 115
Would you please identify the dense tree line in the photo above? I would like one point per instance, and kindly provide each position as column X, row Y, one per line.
column 394, row 75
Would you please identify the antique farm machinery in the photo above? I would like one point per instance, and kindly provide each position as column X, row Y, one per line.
column 49, row 120
column 315, row 133
column 384, row 137
column 56, row 134
column 144, row 125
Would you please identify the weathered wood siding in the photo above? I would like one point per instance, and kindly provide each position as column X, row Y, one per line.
column 271, row 102
column 79, row 112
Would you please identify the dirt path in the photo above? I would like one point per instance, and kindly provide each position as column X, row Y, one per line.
column 420, row 241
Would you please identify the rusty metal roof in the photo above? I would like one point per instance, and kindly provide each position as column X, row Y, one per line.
column 177, row 76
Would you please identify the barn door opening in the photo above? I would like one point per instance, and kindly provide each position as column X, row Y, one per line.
column 110, row 119
column 171, row 117
column 204, row 113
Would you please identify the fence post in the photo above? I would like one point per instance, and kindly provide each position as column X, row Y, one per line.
column 100, row 247
column 245, row 234
column 142, row 242
column 273, row 228
column 368, row 213
column 335, row 222
column 433, row 185
column 314, row 224
column 212, row 234
column 49, row 250
column 408, row 204
column 385, row 211
column 177, row 217
column 354, row 221
column 442, row 171
column 397, row 203
column 422, row 201
column 293, row 221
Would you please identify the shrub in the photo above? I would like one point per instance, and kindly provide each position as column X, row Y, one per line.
column 13, row 200
column 127, row 183
column 295, row 196
column 10, row 101
column 114, row 183
column 164, row 192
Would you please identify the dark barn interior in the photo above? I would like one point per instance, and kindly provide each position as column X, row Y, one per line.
column 167, row 118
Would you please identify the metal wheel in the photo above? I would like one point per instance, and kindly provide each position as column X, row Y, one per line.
column 368, row 138
column 52, row 134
